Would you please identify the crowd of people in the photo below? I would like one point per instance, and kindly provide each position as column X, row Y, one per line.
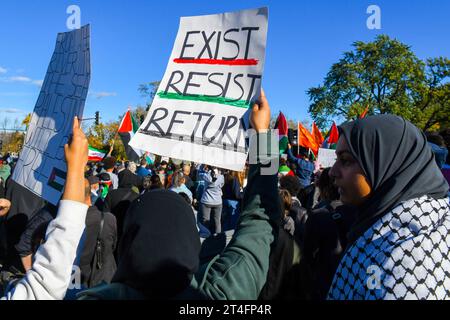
column 374, row 226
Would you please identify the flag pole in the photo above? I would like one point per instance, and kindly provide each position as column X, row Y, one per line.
column 298, row 139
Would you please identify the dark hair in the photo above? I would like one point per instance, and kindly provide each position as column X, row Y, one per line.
column 286, row 200
column 155, row 182
column 328, row 191
column 303, row 152
column 435, row 138
column 291, row 184
column 293, row 166
column 109, row 163
column 146, row 182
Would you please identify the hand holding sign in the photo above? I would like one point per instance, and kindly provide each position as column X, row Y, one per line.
column 76, row 151
column 76, row 157
column 260, row 116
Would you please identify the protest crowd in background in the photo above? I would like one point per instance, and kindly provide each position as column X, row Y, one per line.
column 360, row 213
column 295, row 230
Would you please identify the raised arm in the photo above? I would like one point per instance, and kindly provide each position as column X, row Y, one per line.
column 51, row 271
column 240, row 271
column 291, row 156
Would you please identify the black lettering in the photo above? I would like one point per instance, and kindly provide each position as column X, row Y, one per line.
column 206, row 47
column 231, row 41
column 217, row 44
column 241, row 133
column 225, row 90
column 240, row 75
column 206, row 140
column 186, row 45
column 199, row 119
column 174, row 120
column 215, row 83
column 226, row 128
column 172, row 85
column 250, row 93
column 189, row 84
column 153, row 120
column 247, row 46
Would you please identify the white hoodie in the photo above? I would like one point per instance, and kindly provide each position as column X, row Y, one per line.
column 50, row 275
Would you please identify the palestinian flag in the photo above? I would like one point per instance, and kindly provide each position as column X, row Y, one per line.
column 332, row 138
column 316, row 134
column 127, row 129
column 95, row 154
column 306, row 139
column 282, row 126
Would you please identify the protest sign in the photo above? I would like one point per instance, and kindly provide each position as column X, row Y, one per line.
column 213, row 76
column 326, row 157
column 41, row 167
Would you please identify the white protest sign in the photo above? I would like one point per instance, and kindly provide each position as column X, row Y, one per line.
column 41, row 167
column 326, row 157
column 213, row 75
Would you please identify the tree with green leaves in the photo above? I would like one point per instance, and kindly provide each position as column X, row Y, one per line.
column 103, row 135
column 384, row 76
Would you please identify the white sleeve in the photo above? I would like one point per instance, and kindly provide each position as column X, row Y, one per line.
column 49, row 277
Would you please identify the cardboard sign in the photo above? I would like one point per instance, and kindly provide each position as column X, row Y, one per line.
column 326, row 157
column 213, row 76
column 41, row 167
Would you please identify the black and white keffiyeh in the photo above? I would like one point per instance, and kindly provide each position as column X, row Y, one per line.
column 404, row 255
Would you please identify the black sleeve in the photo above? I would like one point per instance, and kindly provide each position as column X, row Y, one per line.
column 237, row 190
column 24, row 246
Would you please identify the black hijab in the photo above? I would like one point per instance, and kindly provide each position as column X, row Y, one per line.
column 397, row 162
column 128, row 179
column 160, row 246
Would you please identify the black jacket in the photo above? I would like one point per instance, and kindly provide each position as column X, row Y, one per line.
column 232, row 190
column 117, row 202
column 324, row 242
column 98, row 264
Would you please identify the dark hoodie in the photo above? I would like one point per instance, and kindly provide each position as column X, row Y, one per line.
column 159, row 254
column 119, row 200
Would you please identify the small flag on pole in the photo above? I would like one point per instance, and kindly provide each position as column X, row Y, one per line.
column 317, row 134
column 127, row 129
column 282, row 126
column 332, row 138
column 95, row 154
column 305, row 139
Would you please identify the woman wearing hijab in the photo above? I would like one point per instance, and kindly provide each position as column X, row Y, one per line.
column 398, row 246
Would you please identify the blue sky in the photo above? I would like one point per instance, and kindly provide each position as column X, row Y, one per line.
column 131, row 42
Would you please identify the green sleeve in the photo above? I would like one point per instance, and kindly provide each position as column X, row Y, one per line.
column 240, row 271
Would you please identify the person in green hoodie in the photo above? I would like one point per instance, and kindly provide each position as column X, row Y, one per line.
column 159, row 252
